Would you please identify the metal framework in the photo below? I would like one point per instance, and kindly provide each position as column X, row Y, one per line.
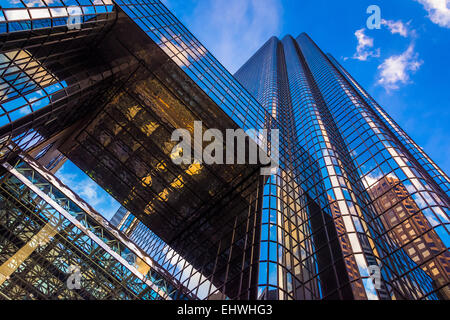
column 57, row 230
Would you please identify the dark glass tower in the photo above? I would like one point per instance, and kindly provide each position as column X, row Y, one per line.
column 355, row 210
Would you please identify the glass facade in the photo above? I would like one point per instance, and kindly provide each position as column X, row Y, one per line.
column 164, row 255
column 372, row 196
column 118, row 216
column 355, row 210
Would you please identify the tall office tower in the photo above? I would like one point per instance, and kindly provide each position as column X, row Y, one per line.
column 370, row 196
column 354, row 209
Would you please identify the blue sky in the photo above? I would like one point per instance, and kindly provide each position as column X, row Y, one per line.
column 87, row 189
column 405, row 65
column 406, row 70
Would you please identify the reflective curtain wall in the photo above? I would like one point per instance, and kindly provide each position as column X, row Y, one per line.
column 368, row 197
column 354, row 210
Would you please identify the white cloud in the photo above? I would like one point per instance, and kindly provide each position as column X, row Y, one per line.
column 396, row 27
column 364, row 44
column 371, row 179
column 85, row 188
column 88, row 190
column 396, row 69
column 438, row 11
column 232, row 30
column 179, row 51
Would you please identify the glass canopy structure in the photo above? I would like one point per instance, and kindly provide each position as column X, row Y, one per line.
column 48, row 232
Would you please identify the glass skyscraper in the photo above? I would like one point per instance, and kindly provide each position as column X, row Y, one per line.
column 371, row 196
column 355, row 210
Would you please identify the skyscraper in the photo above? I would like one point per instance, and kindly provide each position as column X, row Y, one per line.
column 355, row 210
column 342, row 147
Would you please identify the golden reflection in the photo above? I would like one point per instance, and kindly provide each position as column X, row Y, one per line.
column 161, row 166
column 164, row 195
column 24, row 62
column 132, row 111
column 149, row 128
column 141, row 266
column 39, row 239
column 149, row 209
column 117, row 129
column 180, row 117
column 194, row 168
column 409, row 228
column 178, row 183
column 147, row 180
column 166, row 106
